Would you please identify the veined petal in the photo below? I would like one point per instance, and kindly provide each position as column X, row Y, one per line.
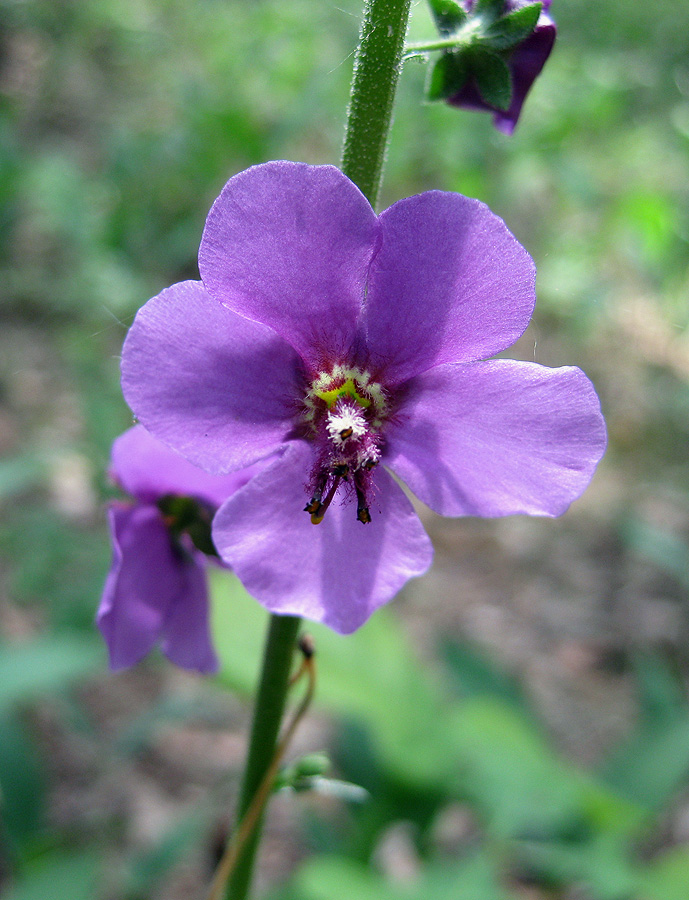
column 147, row 469
column 144, row 581
column 337, row 572
column 288, row 245
column 499, row 437
column 217, row 388
column 450, row 283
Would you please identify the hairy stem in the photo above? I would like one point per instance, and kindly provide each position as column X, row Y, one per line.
column 376, row 71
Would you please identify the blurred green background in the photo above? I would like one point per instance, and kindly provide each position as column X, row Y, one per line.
column 519, row 717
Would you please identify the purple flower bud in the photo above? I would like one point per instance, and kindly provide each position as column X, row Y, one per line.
column 524, row 61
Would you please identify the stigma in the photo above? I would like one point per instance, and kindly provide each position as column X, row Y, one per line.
column 344, row 411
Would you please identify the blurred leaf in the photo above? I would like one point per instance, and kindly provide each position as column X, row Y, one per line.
column 20, row 473
column 22, row 784
column 58, row 877
column 328, row 877
column 667, row 550
column 666, row 878
column 654, row 761
column 29, row 669
column 651, row 766
column 371, row 675
column 473, row 674
column 507, row 769
column 600, row 865
column 150, row 866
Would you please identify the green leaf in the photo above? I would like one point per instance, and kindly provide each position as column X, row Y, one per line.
column 328, row 877
column 600, row 865
column 512, row 29
column 506, row 768
column 667, row 877
column 475, row 675
column 448, row 15
column 651, row 765
column 22, row 785
column 447, row 77
column 58, row 877
column 371, row 676
column 493, row 78
column 29, row 669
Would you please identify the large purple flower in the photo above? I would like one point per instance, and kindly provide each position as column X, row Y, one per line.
column 525, row 63
column 155, row 591
column 354, row 345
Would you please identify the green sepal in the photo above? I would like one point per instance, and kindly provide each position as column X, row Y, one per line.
column 512, row 29
column 492, row 77
column 448, row 76
column 448, row 15
column 488, row 10
column 184, row 514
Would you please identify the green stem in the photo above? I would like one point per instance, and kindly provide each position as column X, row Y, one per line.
column 270, row 704
column 441, row 44
column 376, row 71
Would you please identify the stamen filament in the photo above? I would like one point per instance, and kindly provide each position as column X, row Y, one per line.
column 318, row 515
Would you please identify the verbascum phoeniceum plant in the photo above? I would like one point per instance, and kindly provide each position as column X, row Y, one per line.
column 328, row 355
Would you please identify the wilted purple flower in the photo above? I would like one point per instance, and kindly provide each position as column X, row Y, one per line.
column 525, row 63
column 155, row 591
column 352, row 344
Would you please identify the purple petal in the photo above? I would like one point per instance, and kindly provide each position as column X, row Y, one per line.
column 143, row 580
column 499, row 437
column 147, row 469
column 186, row 633
column 153, row 591
column 449, row 284
column 288, row 245
column 216, row 387
column 337, row 572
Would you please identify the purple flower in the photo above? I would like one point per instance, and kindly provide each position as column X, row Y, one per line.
column 354, row 345
column 525, row 63
column 155, row 591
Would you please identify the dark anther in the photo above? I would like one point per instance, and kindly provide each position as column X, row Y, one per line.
column 346, row 433
column 369, row 464
column 315, row 502
column 363, row 513
column 322, row 507
column 341, row 470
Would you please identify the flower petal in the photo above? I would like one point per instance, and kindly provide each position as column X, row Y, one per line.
column 288, row 245
column 216, row 387
column 449, row 284
column 337, row 572
column 144, row 580
column 148, row 469
column 499, row 437
column 186, row 633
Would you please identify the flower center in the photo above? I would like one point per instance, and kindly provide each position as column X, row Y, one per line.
column 344, row 412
